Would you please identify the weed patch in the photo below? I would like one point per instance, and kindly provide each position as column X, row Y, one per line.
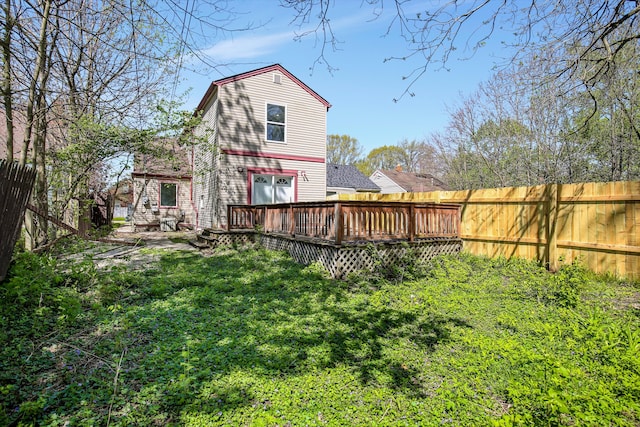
column 248, row 337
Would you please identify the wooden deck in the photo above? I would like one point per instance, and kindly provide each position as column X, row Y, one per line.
column 348, row 222
column 337, row 234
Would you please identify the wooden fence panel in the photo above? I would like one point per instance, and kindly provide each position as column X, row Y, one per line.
column 598, row 223
column 16, row 183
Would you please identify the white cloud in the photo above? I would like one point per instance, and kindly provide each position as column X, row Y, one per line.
column 248, row 47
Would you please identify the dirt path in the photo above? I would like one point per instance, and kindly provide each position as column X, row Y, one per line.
column 134, row 257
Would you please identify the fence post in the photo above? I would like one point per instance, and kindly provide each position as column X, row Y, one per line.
column 551, row 217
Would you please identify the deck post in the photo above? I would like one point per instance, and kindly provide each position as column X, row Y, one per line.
column 228, row 217
column 292, row 225
column 412, row 222
column 339, row 223
column 263, row 216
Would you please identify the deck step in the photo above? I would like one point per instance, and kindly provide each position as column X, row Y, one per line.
column 208, row 238
column 199, row 245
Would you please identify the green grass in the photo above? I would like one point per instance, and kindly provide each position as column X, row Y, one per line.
column 247, row 337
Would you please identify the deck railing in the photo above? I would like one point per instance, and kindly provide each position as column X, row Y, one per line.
column 350, row 221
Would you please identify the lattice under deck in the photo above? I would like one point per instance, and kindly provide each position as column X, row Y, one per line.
column 340, row 261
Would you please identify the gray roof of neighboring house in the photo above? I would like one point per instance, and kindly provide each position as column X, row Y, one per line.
column 348, row 176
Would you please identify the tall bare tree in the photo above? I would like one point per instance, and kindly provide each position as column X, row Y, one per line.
column 582, row 32
column 420, row 157
column 517, row 130
column 82, row 81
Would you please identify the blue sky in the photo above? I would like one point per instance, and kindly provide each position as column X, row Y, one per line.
column 363, row 86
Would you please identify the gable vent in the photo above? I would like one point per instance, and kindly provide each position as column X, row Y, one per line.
column 277, row 78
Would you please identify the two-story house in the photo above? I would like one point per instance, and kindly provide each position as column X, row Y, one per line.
column 262, row 139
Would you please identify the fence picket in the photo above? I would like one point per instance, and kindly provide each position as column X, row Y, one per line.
column 16, row 183
column 597, row 223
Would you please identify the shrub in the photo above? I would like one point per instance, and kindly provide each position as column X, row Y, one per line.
column 565, row 287
column 35, row 284
column 560, row 289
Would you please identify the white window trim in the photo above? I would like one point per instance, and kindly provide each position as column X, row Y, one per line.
column 286, row 120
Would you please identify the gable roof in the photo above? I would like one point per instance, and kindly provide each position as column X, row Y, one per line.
column 414, row 182
column 170, row 160
column 275, row 67
column 348, row 176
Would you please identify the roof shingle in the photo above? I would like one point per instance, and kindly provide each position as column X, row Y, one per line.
column 348, row 176
column 415, row 182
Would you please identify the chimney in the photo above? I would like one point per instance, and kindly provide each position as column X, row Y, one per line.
column 399, row 168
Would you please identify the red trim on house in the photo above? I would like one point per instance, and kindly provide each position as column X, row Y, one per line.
column 206, row 97
column 274, row 67
column 159, row 176
column 272, row 155
column 267, row 171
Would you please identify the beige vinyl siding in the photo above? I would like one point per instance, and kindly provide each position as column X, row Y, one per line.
column 314, row 187
column 204, row 178
column 141, row 215
column 243, row 116
column 144, row 215
column 387, row 186
column 310, row 177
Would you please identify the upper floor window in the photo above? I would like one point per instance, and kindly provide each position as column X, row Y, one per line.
column 168, row 194
column 276, row 115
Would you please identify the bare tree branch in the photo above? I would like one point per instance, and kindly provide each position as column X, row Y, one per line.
column 581, row 31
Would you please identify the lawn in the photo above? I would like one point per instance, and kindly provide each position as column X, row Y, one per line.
column 248, row 337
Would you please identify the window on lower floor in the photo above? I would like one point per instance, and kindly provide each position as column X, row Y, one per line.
column 168, row 194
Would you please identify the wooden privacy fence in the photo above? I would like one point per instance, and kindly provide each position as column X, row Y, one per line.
column 597, row 223
column 16, row 183
column 350, row 222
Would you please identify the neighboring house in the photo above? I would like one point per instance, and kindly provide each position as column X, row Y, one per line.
column 262, row 140
column 73, row 212
column 397, row 181
column 122, row 196
column 18, row 134
column 347, row 179
column 162, row 189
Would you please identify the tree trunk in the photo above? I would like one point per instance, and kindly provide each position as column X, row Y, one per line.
column 6, row 79
column 35, row 130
